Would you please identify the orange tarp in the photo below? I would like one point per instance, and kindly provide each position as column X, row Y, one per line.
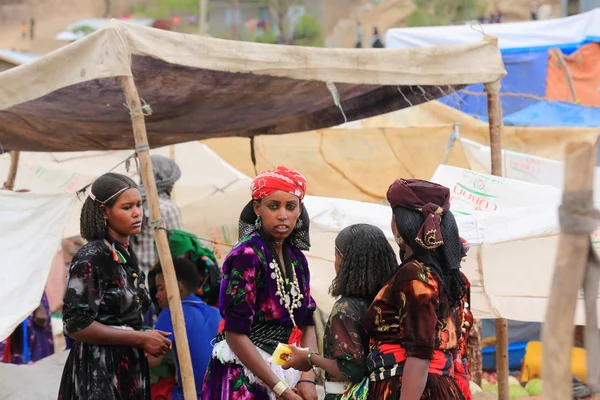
column 584, row 66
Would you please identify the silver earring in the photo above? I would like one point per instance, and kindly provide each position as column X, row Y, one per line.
column 299, row 224
column 258, row 222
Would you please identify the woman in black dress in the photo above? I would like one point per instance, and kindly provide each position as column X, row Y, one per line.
column 105, row 301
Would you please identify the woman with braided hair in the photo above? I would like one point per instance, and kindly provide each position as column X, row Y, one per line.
column 420, row 319
column 364, row 262
column 106, row 299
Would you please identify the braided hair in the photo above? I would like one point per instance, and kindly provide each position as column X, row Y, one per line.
column 105, row 191
column 368, row 262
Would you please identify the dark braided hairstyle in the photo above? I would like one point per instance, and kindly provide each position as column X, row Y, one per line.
column 105, row 191
column 368, row 262
column 444, row 260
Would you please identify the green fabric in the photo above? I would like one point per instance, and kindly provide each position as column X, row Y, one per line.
column 181, row 242
column 166, row 369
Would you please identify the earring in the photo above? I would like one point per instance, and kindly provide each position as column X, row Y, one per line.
column 258, row 222
column 299, row 224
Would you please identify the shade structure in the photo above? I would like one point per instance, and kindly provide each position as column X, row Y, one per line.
column 198, row 87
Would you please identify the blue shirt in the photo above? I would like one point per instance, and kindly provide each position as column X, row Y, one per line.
column 202, row 324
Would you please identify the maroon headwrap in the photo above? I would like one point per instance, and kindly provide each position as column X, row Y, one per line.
column 428, row 198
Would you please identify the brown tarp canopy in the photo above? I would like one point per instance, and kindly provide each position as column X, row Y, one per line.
column 199, row 88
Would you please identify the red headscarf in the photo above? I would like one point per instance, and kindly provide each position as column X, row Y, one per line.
column 430, row 199
column 282, row 178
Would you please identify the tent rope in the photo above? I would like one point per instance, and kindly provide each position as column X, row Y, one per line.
column 145, row 109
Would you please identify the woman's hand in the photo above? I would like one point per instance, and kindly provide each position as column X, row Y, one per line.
column 290, row 395
column 307, row 390
column 155, row 342
column 298, row 360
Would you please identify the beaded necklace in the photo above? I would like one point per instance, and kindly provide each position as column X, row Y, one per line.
column 291, row 299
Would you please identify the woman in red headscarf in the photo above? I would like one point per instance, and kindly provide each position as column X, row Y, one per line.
column 420, row 319
column 265, row 297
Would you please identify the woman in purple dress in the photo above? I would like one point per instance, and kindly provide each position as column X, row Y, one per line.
column 265, row 297
column 39, row 333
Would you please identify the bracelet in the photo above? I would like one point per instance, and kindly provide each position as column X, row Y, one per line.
column 310, row 354
column 280, row 388
column 306, row 381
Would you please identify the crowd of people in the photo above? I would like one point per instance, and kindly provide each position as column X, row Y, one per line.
column 395, row 332
column 388, row 322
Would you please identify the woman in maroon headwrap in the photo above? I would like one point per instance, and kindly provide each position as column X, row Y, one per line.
column 420, row 319
column 265, row 297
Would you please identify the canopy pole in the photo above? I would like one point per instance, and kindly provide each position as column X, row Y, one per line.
column 160, row 236
column 12, row 170
column 496, row 125
column 570, row 268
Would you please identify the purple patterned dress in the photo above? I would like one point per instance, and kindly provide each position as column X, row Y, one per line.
column 41, row 342
column 248, row 300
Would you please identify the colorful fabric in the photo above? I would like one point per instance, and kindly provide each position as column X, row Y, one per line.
column 248, row 296
column 430, row 199
column 100, row 289
column 282, row 178
column 182, row 242
column 345, row 340
column 40, row 340
column 404, row 321
column 201, row 324
column 162, row 389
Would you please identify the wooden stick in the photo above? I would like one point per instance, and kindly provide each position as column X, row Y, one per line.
column 496, row 125
column 570, row 267
column 12, row 170
column 160, row 236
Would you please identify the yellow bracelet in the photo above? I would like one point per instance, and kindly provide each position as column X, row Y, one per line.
column 280, row 388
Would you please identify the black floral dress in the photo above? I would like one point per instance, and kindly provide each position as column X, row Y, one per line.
column 104, row 285
column 346, row 341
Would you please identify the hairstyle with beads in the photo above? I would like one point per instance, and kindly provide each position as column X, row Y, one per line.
column 104, row 191
column 368, row 262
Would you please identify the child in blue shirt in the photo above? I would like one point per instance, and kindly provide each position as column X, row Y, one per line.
column 201, row 322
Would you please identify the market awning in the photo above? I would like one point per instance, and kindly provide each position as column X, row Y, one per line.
column 199, row 88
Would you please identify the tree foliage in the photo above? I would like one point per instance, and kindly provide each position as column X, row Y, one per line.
column 445, row 12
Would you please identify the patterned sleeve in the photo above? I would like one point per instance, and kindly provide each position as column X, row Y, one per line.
column 348, row 348
column 85, row 289
column 237, row 302
column 418, row 303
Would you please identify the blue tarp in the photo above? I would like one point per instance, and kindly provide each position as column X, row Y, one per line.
column 555, row 113
column 526, row 74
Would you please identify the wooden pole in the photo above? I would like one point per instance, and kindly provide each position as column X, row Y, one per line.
column 160, row 236
column 570, row 268
column 496, row 125
column 12, row 170
column 203, row 7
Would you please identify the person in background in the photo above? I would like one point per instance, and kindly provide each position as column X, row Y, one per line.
column 106, row 299
column 359, row 36
column 364, row 262
column 40, row 341
column 166, row 173
column 201, row 323
column 24, row 30
column 265, row 296
column 533, row 9
column 420, row 320
column 377, row 43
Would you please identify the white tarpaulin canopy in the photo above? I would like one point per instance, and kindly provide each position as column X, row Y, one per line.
column 513, row 35
column 515, row 225
column 30, row 232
